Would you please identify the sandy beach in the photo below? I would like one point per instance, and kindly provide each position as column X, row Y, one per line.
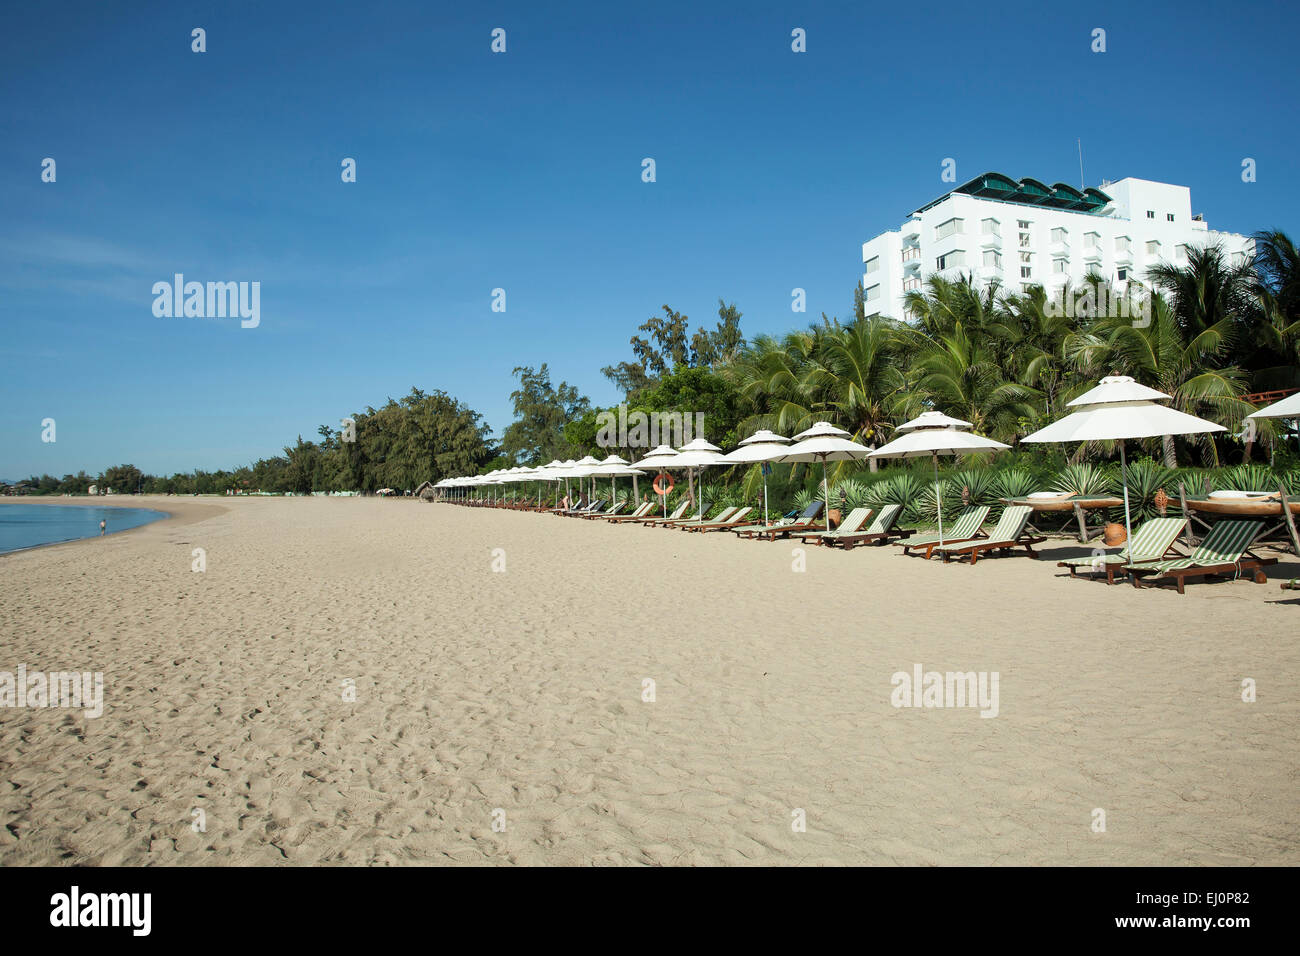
column 516, row 698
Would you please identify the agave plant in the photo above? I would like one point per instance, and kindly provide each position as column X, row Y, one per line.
column 1245, row 478
column 848, row 493
column 1015, row 483
column 802, row 499
column 900, row 488
column 970, row 486
column 1145, row 478
column 1086, row 480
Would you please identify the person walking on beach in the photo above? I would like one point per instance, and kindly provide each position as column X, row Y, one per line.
column 102, row 525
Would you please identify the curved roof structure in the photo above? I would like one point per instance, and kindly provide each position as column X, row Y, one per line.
column 1030, row 192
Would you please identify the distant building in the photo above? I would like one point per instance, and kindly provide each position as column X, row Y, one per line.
column 1027, row 233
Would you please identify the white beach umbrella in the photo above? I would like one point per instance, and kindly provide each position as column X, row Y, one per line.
column 824, row 442
column 1117, row 409
column 661, row 458
column 696, row 455
column 613, row 466
column 1288, row 407
column 930, row 435
column 762, row 446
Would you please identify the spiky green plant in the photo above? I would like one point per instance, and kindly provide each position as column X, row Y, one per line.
column 1244, row 478
column 1015, row 483
column 1086, row 480
column 1145, row 478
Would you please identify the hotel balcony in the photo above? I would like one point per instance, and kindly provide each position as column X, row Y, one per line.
column 911, row 258
column 990, row 240
column 1092, row 254
column 1123, row 256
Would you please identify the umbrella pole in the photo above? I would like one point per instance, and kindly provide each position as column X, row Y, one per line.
column 938, row 501
column 766, row 521
column 1128, row 527
column 826, row 490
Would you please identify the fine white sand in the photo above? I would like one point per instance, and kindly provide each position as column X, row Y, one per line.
column 521, row 691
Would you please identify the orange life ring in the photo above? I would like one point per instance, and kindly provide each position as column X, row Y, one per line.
column 659, row 483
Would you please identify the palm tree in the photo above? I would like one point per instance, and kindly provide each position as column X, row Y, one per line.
column 1161, row 355
column 855, row 378
column 1275, row 361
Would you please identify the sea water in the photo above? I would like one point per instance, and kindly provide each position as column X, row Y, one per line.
column 29, row 526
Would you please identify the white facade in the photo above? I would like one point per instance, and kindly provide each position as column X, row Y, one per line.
column 1019, row 243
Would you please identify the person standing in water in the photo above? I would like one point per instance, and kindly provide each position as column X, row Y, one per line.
column 102, row 525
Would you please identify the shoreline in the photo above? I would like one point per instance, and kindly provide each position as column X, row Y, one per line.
column 176, row 515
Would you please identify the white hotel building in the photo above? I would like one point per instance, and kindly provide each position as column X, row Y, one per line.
column 1027, row 233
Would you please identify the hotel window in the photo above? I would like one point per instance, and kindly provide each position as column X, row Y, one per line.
column 1091, row 240
column 1169, row 216
column 1026, row 257
column 993, row 258
column 1060, row 235
column 1026, row 272
column 946, row 229
column 951, row 261
column 873, row 293
column 989, row 227
column 1153, row 247
column 1121, row 244
column 1060, row 265
column 1122, row 275
column 1022, row 223
column 1180, row 252
column 873, row 265
column 1151, row 214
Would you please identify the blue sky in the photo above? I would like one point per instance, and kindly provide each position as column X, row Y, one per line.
column 523, row 171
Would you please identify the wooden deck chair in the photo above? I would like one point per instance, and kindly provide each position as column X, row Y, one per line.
column 878, row 532
column 1008, row 535
column 722, row 515
column 674, row 515
column 736, row 518
column 1225, row 550
column 849, row 526
column 642, row 511
column 1153, row 541
column 807, row 521
column 966, row 528
column 613, row 509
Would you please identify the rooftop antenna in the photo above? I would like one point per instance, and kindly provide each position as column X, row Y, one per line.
column 1082, row 184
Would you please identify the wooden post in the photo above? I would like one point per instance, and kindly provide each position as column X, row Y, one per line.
column 1083, row 523
column 1187, row 528
column 1289, row 518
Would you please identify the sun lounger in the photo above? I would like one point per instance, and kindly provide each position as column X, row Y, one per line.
column 613, row 509
column 1225, row 550
column 880, row 531
column 642, row 511
column 1008, row 535
column 966, row 528
column 807, row 521
column 675, row 515
column 736, row 518
column 1292, row 585
column 849, row 526
column 722, row 515
column 1153, row 541
column 586, row 509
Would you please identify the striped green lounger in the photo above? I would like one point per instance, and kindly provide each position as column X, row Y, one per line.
column 1225, row 550
column 1151, row 542
column 967, row 528
column 1008, row 535
column 849, row 526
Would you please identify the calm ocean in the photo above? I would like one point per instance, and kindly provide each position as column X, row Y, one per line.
column 26, row 526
